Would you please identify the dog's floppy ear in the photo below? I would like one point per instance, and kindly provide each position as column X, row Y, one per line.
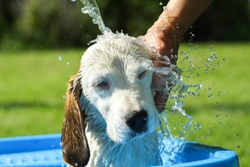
column 74, row 142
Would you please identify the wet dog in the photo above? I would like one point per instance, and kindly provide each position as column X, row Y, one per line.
column 110, row 116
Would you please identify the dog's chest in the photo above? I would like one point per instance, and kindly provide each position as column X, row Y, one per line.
column 139, row 152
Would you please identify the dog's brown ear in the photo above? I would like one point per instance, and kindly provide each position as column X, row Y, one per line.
column 74, row 142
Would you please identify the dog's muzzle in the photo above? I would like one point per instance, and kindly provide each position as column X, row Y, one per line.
column 137, row 121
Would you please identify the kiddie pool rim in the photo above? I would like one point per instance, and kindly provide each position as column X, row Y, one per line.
column 13, row 152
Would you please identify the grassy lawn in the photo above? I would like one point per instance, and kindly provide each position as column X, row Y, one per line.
column 32, row 88
column 33, row 84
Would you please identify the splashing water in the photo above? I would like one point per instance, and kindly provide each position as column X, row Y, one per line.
column 91, row 8
column 170, row 75
column 60, row 58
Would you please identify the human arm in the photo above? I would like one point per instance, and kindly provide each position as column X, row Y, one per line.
column 166, row 33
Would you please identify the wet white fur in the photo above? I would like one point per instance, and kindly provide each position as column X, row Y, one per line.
column 119, row 62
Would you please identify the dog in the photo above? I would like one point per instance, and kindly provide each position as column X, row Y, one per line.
column 110, row 116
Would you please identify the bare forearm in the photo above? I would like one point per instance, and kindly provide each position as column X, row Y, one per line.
column 180, row 14
column 166, row 33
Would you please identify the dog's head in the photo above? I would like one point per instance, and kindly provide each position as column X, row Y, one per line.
column 111, row 92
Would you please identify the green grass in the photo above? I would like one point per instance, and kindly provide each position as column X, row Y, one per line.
column 32, row 88
column 33, row 84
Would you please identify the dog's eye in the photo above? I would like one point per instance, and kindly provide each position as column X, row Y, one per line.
column 141, row 75
column 102, row 85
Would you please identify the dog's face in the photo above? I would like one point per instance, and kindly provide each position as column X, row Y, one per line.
column 111, row 94
column 116, row 80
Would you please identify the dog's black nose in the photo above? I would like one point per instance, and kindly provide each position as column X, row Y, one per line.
column 137, row 121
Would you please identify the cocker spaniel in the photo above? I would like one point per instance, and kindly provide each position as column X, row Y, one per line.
column 110, row 115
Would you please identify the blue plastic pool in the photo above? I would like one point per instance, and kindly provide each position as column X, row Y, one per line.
column 45, row 150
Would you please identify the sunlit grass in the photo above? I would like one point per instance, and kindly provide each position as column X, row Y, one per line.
column 32, row 88
column 33, row 84
column 222, row 108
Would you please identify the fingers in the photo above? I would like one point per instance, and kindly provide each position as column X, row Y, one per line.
column 160, row 101
column 161, row 92
column 163, row 56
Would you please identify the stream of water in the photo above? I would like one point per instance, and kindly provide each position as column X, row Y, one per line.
column 172, row 74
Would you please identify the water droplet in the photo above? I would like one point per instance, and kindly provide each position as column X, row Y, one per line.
column 209, row 60
column 60, row 58
column 211, row 48
column 68, row 63
column 218, row 115
column 171, row 50
column 210, row 95
column 161, row 3
column 73, row 0
column 199, row 125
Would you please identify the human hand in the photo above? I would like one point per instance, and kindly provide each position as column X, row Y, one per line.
column 163, row 43
column 165, row 36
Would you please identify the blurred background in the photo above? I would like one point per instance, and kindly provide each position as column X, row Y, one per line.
column 41, row 44
column 60, row 24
